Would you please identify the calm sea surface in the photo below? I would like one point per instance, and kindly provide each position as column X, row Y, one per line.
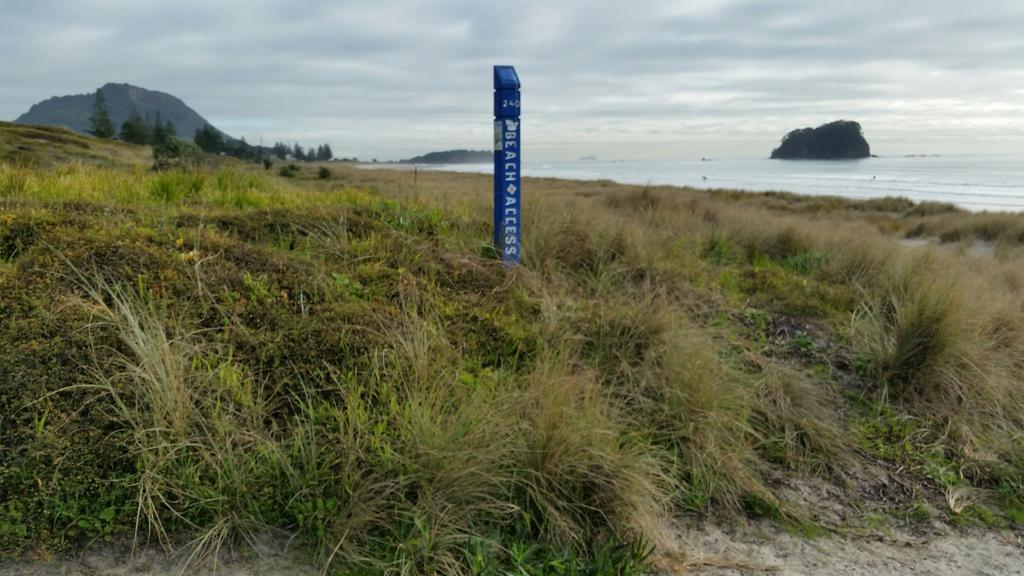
column 973, row 182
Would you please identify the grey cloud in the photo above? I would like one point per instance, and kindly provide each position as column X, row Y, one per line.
column 393, row 79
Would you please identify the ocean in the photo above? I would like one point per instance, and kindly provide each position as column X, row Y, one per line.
column 974, row 182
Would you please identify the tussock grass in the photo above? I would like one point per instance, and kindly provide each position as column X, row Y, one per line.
column 191, row 424
column 652, row 358
column 404, row 470
column 704, row 409
column 936, row 348
column 340, row 362
column 1004, row 229
column 586, row 472
column 13, row 181
column 800, row 421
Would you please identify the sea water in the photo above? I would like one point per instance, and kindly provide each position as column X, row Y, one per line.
column 989, row 182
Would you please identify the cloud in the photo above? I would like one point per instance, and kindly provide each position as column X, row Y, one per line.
column 656, row 78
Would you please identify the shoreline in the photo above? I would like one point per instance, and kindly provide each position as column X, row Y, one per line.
column 819, row 178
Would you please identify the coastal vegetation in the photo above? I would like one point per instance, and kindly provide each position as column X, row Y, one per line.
column 146, row 117
column 453, row 157
column 208, row 357
column 104, row 112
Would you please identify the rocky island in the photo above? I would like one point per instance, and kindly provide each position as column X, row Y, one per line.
column 839, row 140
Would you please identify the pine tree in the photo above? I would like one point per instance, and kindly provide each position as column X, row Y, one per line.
column 158, row 132
column 298, row 152
column 134, row 130
column 328, row 153
column 170, row 132
column 280, row 150
column 243, row 150
column 100, row 124
column 209, row 139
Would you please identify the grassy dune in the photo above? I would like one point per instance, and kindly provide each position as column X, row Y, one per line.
column 196, row 360
column 47, row 146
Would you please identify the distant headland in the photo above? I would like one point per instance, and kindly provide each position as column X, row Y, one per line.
column 122, row 101
column 839, row 140
column 453, row 157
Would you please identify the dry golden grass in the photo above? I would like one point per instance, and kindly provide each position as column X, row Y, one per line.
column 943, row 329
column 48, row 146
column 340, row 358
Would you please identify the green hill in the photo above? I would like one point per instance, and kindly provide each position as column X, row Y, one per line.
column 72, row 112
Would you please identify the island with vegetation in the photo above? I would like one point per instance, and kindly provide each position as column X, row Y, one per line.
column 839, row 140
column 453, row 157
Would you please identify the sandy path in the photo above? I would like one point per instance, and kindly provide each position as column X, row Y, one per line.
column 747, row 552
column 118, row 561
column 713, row 551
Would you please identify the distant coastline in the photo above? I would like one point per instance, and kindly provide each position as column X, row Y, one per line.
column 452, row 157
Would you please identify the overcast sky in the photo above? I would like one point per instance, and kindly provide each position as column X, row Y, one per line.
column 621, row 80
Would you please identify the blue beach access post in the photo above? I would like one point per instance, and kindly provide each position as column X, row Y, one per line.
column 507, row 156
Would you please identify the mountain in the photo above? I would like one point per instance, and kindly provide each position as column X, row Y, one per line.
column 839, row 140
column 453, row 157
column 73, row 111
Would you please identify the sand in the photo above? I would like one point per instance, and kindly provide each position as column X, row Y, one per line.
column 119, row 560
column 716, row 551
column 712, row 550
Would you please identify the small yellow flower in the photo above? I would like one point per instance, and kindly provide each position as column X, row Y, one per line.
column 179, row 242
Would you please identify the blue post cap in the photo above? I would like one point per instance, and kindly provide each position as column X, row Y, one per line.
column 505, row 78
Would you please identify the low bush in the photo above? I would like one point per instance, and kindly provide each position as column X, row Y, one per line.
column 177, row 155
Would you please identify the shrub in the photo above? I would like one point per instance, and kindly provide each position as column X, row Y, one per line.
column 177, row 155
column 289, row 171
column 324, row 173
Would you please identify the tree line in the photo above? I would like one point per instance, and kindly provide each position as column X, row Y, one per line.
column 158, row 133
column 135, row 130
column 322, row 153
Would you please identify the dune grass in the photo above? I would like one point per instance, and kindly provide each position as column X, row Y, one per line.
column 49, row 146
column 198, row 360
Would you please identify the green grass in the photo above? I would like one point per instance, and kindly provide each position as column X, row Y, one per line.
column 192, row 359
column 47, row 146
